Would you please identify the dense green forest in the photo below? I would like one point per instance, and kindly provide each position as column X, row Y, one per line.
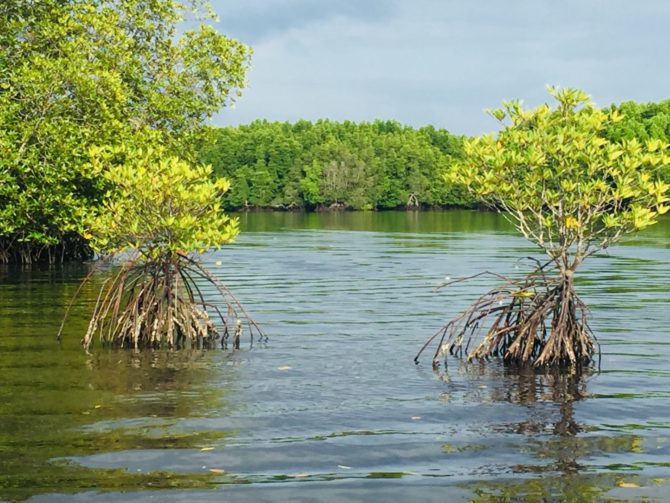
column 377, row 165
column 642, row 121
column 78, row 76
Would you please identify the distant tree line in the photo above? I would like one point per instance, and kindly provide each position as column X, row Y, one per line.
column 369, row 165
column 644, row 121
column 326, row 164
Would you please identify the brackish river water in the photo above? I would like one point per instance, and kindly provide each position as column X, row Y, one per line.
column 332, row 407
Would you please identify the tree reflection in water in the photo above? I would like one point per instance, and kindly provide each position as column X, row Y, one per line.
column 108, row 402
column 562, row 447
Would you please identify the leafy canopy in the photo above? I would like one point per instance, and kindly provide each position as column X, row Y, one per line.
column 157, row 204
column 379, row 164
column 564, row 184
column 81, row 73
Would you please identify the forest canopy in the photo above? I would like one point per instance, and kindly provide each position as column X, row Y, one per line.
column 370, row 165
column 326, row 164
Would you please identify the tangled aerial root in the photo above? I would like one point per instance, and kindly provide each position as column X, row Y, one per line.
column 159, row 303
column 537, row 321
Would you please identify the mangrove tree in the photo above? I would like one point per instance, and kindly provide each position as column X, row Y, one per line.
column 571, row 190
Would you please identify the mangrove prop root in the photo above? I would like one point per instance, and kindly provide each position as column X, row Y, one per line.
column 536, row 321
column 161, row 303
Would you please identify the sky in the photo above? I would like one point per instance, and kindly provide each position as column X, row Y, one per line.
column 441, row 62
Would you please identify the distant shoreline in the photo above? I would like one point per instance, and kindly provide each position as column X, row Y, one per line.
column 344, row 209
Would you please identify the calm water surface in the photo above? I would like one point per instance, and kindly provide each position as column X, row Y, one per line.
column 332, row 408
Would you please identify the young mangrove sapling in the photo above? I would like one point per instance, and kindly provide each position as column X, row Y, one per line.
column 160, row 212
column 572, row 192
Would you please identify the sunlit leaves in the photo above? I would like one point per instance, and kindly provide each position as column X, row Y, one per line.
column 82, row 73
column 569, row 188
column 157, row 204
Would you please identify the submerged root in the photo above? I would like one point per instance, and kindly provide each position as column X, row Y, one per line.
column 160, row 303
column 537, row 321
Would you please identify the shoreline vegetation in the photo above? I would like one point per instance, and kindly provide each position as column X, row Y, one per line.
column 339, row 208
column 322, row 166
column 380, row 165
column 327, row 165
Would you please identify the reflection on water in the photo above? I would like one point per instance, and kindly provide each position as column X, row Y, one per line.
column 558, row 446
column 332, row 406
column 74, row 405
column 59, row 403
